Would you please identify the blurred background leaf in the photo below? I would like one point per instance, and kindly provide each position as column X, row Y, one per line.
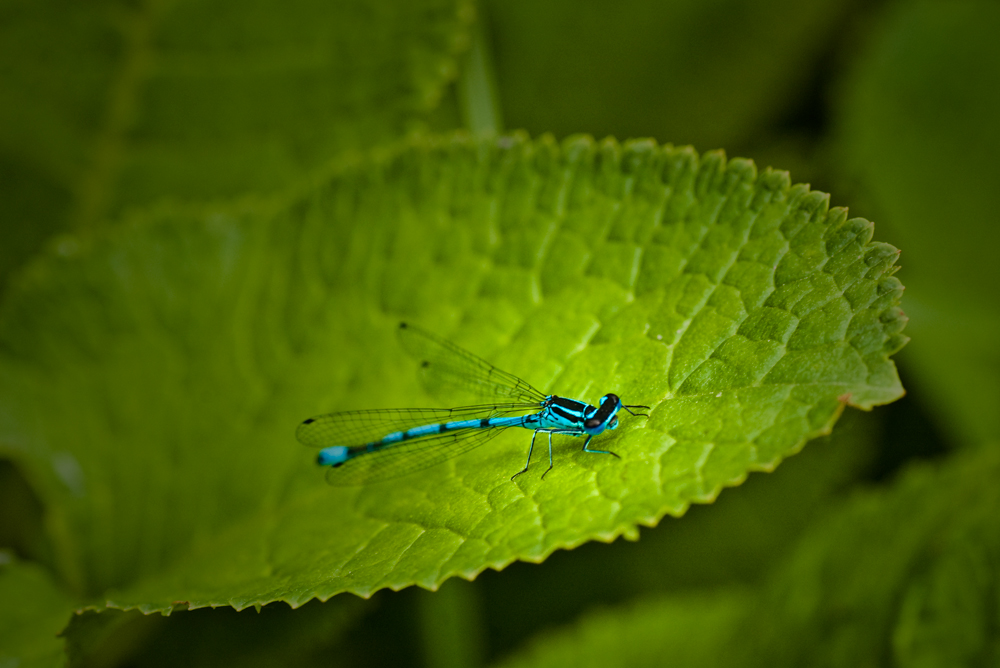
column 906, row 576
column 34, row 611
column 688, row 630
column 272, row 635
column 918, row 140
column 112, row 105
column 713, row 74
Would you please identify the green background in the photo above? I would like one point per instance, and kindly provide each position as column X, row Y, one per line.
column 213, row 215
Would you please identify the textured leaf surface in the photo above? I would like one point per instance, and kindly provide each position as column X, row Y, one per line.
column 161, row 369
column 34, row 610
column 734, row 541
column 927, row 91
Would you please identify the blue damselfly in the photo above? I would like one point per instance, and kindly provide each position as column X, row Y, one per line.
column 370, row 446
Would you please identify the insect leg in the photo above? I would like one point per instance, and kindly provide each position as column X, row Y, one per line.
column 532, row 447
column 550, row 456
column 600, row 452
column 569, row 432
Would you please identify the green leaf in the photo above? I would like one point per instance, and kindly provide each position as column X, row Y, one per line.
column 34, row 610
column 108, row 638
column 917, row 130
column 685, row 630
column 107, row 106
column 161, row 369
column 733, row 542
column 906, row 576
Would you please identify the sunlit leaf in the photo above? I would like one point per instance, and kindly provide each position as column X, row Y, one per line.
column 153, row 376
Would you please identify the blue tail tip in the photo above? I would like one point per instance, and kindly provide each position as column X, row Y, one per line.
column 332, row 456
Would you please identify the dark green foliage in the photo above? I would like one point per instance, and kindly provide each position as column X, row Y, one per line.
column 213, row 216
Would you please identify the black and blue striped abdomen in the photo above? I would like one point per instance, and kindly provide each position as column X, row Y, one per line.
column 337, row 455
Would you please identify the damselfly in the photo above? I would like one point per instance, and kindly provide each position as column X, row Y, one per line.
column 374, row 445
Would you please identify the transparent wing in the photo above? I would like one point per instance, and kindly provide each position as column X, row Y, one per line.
column 408, row 457
column 446, row 367
column 354, row 428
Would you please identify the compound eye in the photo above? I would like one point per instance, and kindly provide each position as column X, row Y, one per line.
column 592, row 423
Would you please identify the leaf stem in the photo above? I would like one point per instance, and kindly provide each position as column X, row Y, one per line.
column 450, row 625
column 478, row 97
